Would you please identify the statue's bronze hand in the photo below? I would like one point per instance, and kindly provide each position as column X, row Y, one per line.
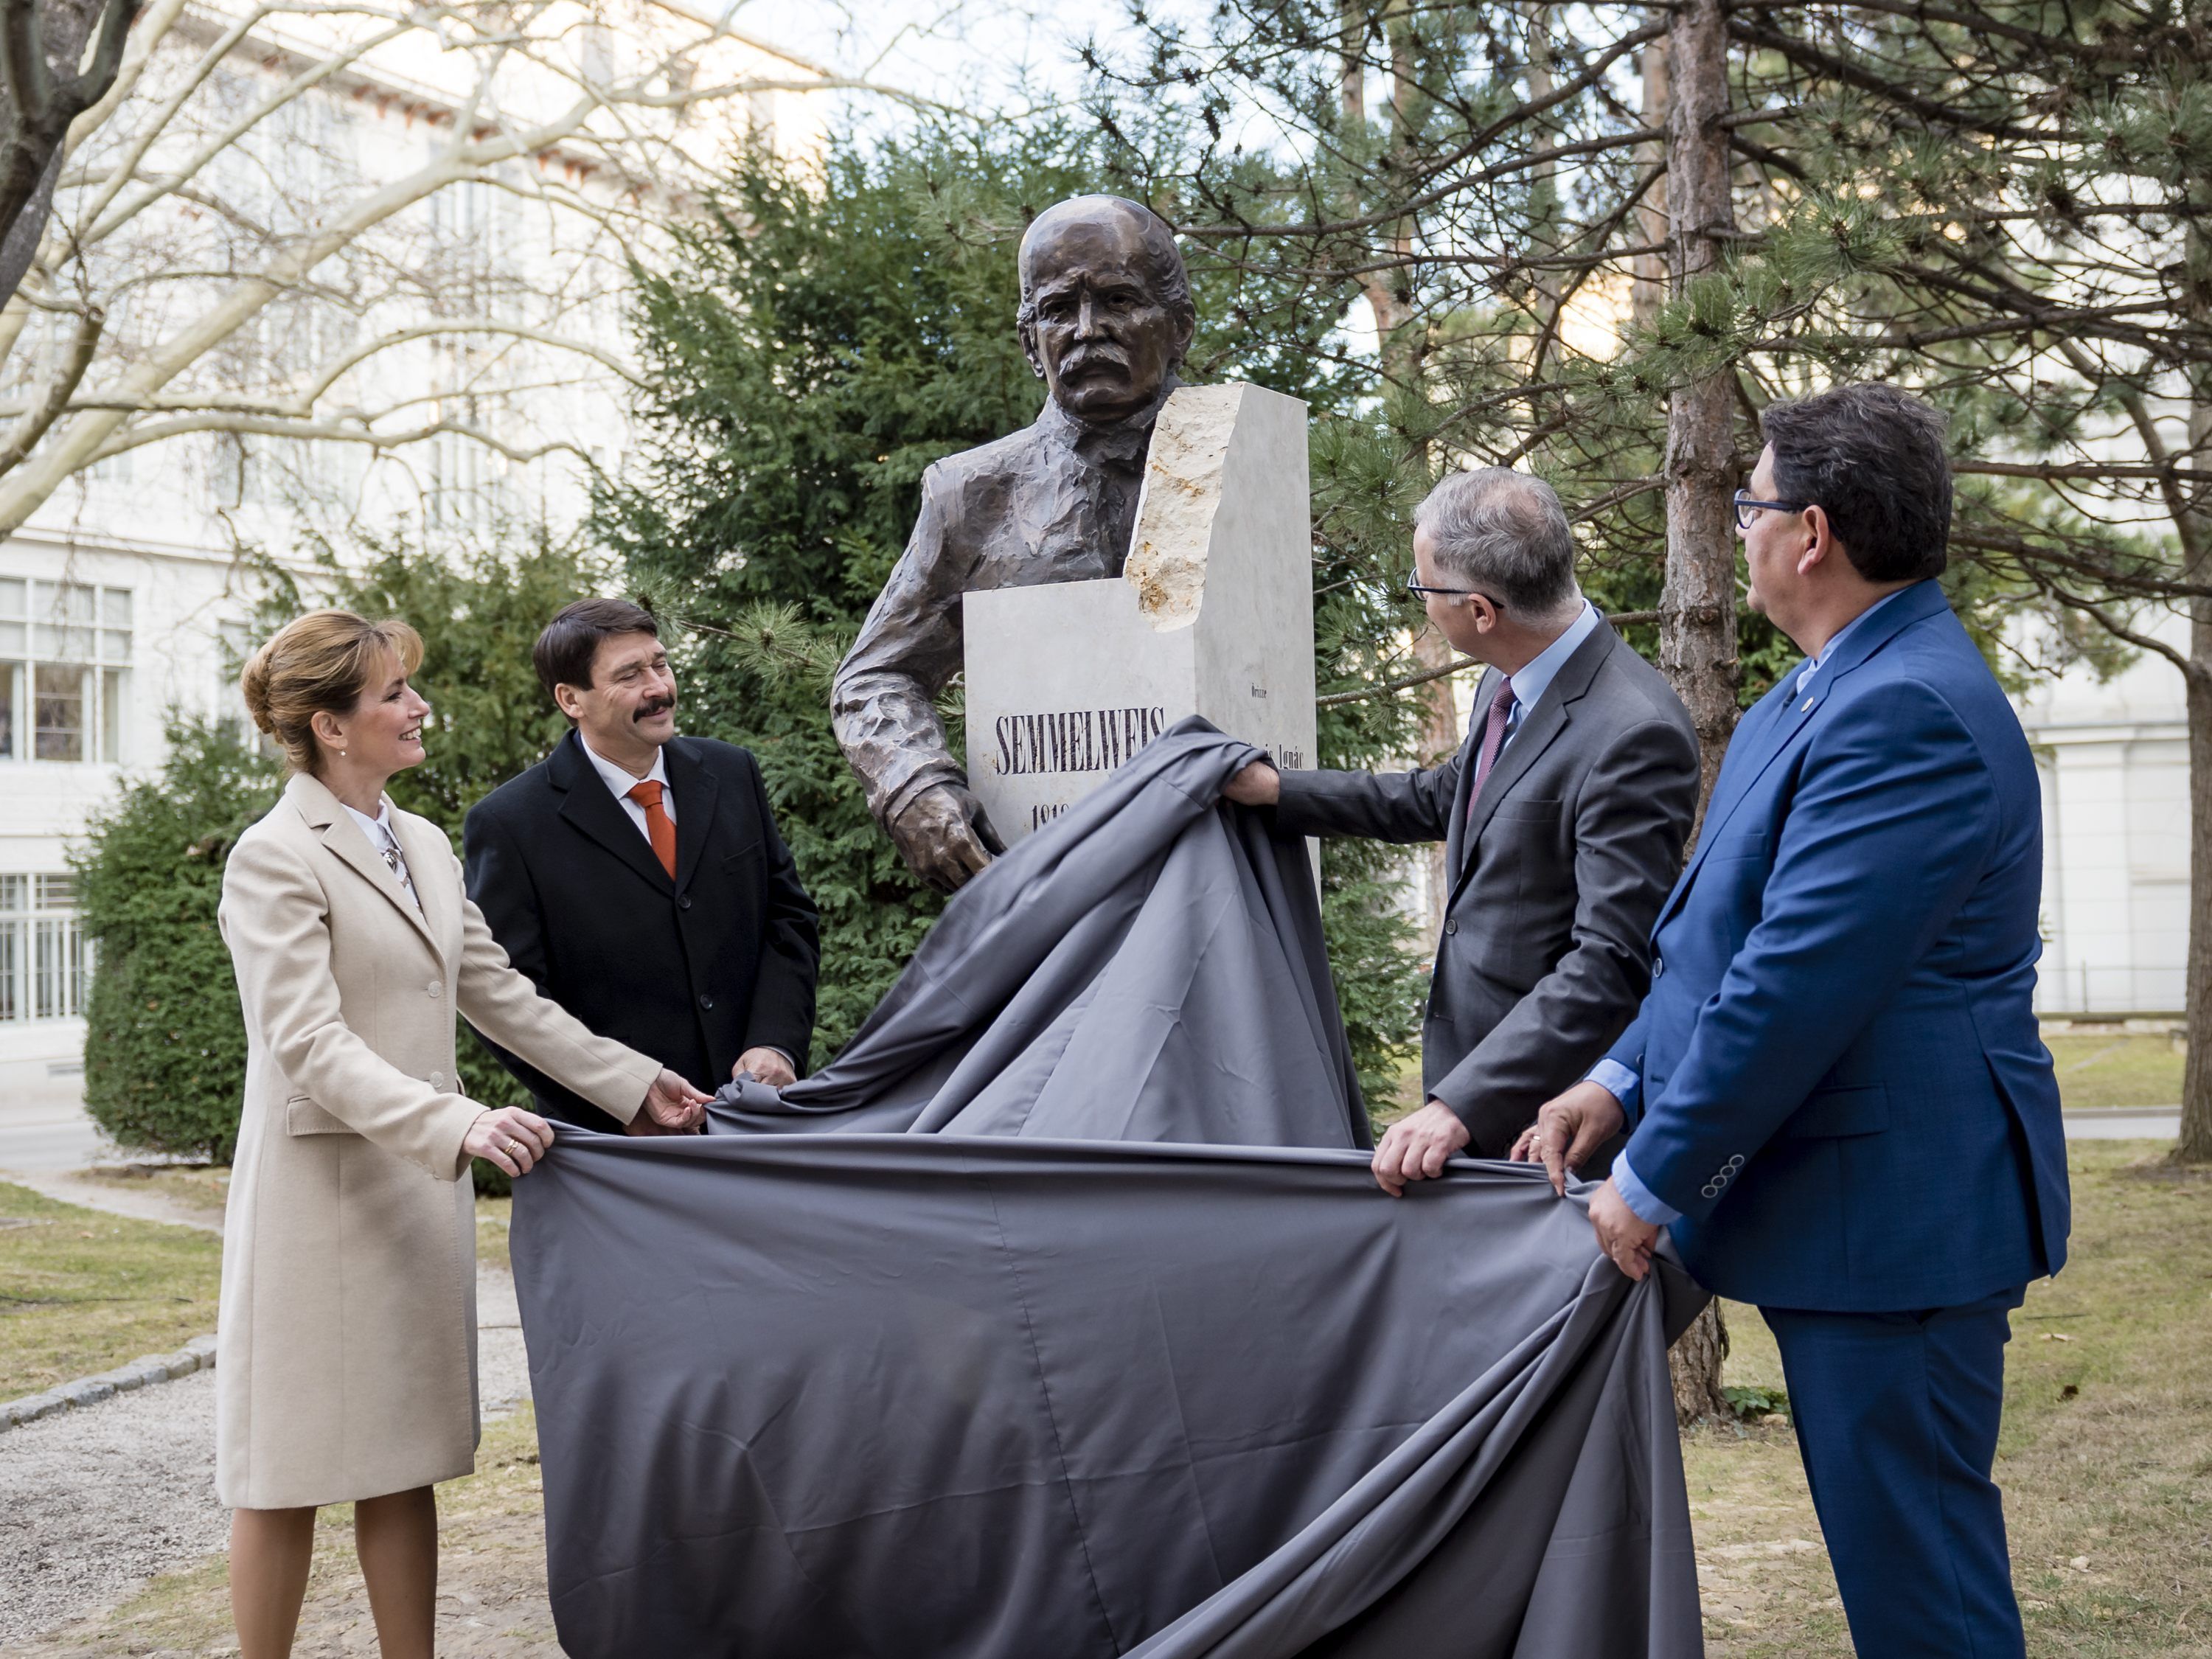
column 943, row 837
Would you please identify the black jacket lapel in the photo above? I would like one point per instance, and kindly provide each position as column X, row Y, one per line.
column 695, row 791
column 590, row 806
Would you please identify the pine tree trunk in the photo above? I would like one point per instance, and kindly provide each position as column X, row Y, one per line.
column 1648, row 289
column 2194, row 522
column 1697, row 605
column 1438, row 736
column 2195, row 1143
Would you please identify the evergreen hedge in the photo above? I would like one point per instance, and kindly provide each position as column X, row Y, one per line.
column 165, row 1050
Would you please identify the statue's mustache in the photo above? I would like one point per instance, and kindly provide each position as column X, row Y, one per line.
column 1083, row 357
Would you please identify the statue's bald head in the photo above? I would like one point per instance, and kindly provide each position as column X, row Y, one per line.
column 1106, row 313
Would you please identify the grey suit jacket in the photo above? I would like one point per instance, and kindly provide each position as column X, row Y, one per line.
column 1556, row 877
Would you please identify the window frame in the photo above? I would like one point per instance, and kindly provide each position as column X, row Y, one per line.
column 46, row 955
column 42, row 627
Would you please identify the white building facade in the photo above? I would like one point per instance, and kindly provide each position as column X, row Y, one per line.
column 2114, row 760
column 493, row 304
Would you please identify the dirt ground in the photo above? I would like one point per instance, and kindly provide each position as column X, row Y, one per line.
column 491, row 1598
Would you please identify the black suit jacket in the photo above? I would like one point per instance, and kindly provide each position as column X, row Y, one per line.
column 1556, row 877
column 693, row 971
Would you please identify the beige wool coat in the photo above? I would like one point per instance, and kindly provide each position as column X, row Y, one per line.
column 347, row 1325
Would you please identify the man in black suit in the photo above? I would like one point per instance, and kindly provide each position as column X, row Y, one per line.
column 1563, row 816
column 637, row 875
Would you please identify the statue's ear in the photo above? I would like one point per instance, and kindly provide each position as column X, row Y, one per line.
column 1026, row 333
column 1186, row 323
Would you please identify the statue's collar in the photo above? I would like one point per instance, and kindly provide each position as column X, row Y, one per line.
column 1120, row 443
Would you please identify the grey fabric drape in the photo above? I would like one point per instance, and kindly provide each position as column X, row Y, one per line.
column 1061, row 1317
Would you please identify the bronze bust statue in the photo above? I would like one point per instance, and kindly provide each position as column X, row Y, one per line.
column 1105, row 320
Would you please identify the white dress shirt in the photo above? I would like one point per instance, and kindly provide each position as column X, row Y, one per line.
column 621, row 783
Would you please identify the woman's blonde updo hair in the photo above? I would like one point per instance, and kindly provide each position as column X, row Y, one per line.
column 321, row 661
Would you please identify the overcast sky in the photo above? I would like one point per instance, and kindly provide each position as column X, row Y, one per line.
column 982, row 55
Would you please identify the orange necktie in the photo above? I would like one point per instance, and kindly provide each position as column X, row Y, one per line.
column 659, row 827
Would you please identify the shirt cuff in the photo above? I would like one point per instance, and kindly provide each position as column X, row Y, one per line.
column 1647, row 1205
column 1617, row 1080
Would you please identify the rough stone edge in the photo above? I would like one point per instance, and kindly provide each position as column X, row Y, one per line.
column 197, row 1355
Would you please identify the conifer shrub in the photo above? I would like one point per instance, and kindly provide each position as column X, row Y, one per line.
column 164, row 1046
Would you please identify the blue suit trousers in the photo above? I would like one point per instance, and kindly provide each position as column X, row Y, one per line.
column 1897, row 1417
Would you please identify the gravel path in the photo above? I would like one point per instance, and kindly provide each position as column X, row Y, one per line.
column 94, row 1503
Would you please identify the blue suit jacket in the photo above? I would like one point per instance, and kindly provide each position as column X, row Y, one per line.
column 1844, row 1091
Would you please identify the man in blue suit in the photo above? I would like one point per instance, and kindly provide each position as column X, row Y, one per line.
column 1840, row 1106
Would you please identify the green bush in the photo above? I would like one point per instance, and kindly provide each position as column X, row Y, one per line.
column 165, row 1047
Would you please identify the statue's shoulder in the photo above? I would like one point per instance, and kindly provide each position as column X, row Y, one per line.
column 989, row 470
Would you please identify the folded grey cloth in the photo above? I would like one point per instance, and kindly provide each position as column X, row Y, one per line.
column 1061, row 1317
column 1148, row 967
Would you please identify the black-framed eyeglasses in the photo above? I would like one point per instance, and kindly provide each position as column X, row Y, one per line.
column 1420, row 590
column 1745, row 506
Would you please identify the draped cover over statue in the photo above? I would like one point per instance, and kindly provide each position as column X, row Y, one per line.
column 1059, row 1316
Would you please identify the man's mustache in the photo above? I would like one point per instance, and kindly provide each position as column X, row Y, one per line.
column 646, row 711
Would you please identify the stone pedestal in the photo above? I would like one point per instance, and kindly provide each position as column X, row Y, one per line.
column 1212, row 615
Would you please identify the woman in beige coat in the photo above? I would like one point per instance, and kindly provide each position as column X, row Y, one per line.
column 348, row 1324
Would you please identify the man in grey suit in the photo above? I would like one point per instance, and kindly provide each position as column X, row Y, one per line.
column 1563, row 816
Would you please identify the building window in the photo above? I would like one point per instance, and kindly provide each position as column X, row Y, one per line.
column 64, row 671
column 46, row 963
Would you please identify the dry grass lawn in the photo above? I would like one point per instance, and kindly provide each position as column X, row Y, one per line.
column 198, row 1190
column 2106, row 1460
column 81, row 1291
column 2121, row 1068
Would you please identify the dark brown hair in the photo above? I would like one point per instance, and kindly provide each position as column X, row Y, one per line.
column 319, row 662
column 565, row 650
column 1873, row 458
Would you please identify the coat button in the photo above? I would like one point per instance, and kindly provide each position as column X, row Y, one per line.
column 1736, row 1163
column 706, row 1002
column 437, row 1079
column 434, row 987
column 1658, row 967
column 684, row 901
column 1451, row 924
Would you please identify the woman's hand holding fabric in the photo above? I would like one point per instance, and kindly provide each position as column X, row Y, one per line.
column 509, row 1138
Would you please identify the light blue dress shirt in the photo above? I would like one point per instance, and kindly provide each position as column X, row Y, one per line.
column 1533, row 678
column 1623, row 1084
